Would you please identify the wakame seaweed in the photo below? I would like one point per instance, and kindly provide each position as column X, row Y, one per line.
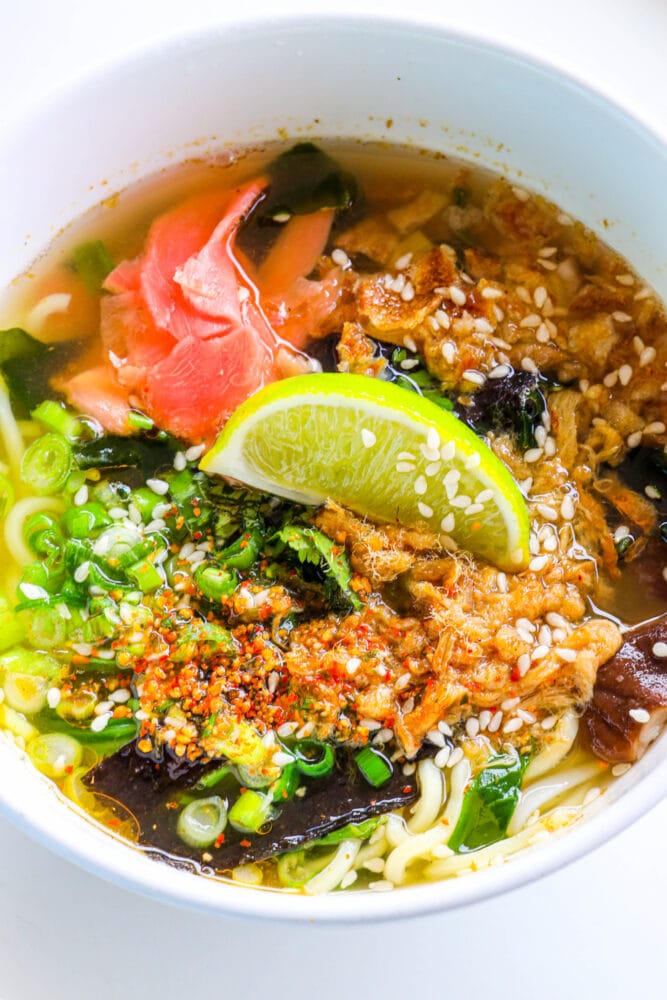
column 28, row 366
column 306, row 179
column 513, row 404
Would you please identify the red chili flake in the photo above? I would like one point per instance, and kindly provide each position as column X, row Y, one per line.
column 114, row 822
column 245, row 843
column 219, row 841
column 407, row 789
column 515, row 675
column 171, row 805
column 69, row 769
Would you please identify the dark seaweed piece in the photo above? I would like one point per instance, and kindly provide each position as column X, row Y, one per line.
column 329, row 803
column 305, row 179
column 512, row 404
column 28, row 366
column 142, row 454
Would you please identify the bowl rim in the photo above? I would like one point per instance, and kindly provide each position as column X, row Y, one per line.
column 117, row 862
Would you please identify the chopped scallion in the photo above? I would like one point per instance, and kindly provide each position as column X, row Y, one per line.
column 374, row 767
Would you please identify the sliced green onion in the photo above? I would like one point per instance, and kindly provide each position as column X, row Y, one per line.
column 26, row 692
column 314, row 758
column 213, row 778
column 286, row 785
column 298, row 867
column 253, row 777
column 145, row 575
column 202, row 821
column 144, row 547
column 251, row 811
column 7, row 496
column 140, row 421
column 80, row 522
column 16, row 723
column 374, row 766
column 145, row 500
column 11, row 629
column 46, row 464
column 215, row 582
column 55, row 754
column 77, row 706
column 36, row 525
column 92, row 263
column 360, row 831
column 45, row 627
column 58, row 419
column 96, row 628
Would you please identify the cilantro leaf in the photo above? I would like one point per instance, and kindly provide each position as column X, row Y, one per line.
column 314, row 547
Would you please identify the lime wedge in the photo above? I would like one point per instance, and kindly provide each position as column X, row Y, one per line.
column 381, row 451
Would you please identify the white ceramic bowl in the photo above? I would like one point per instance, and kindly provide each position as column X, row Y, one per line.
column 345, row 77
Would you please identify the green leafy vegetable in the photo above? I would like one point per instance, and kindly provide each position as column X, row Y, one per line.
column 489, row 803
column 28, row 366
column 305, row 179
column 92, row 263
column 314, row 547
column 361, row 831
column 417, row 378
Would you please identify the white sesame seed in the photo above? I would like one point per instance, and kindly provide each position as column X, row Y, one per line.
column 643, row 293
column 383, row 885
column 525, row 635
column 482, row 325
column 513, row 725
column 555, row 620
column 339, row 257
column 448, row 451
column 620, row 769
column 195, row 452
column 484, row 496
column 81, row 572
column 647, row 357
column 374, row 865
column 509, row 704
column 472, row 461
column 433, row 438
column 531, row 321
column 368, row 437
column 659, row 649
column 565, row 654
column 528, row 365
column 547, row 251
column 100, row 722
column 540, row 296
column 472, row 727
column 448, row 351
column 652, row 493
column 567, row 508
column 656, row 427
column 523, row 664
column 405, row 467
column 409, row 342
column 544, row 635
column 455, row 756
column 398, row 284
column 445, row 728
column 405, row 456
column 81, row 496
column 180, row 461
column 549, row 722
column 432, row 469
column 625, row 279
column 424, row 509
column 158, row 486
column 444, row 322
column 621, row 317
column 429, row 453
column 610, row 379
column 462, row 501
column 484, row 719
column 353, row 665
column 457, row 295
column 32, row 591
column 639, row 715
column 447, row 523
column 500, row 371
column 103, row 707
column 441, row 759
column 435, row 737
column 548, row 265
column 402, row 262
column 532, row 455
column 501, row 582
column 634, row 440
column 539, row 652
column 494, row 725
column 53, row 697
column 420, row 485
column 408, row 292
column 547, row 512
column 120, row 696
column 474, row 376
column 409, row 364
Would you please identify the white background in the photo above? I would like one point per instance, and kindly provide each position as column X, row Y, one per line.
column 595, row 930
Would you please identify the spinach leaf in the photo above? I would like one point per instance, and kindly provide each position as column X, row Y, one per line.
column 314, row 547
column 489, row 803
column 92, row 263
column 305, row 179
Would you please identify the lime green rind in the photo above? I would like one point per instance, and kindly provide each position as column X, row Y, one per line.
column 271, row 440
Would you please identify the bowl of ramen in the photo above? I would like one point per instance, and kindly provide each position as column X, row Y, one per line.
column 332, row 474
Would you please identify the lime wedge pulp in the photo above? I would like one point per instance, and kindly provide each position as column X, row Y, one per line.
column 382, row 451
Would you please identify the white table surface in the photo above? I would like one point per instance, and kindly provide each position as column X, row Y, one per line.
column 594, row 930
